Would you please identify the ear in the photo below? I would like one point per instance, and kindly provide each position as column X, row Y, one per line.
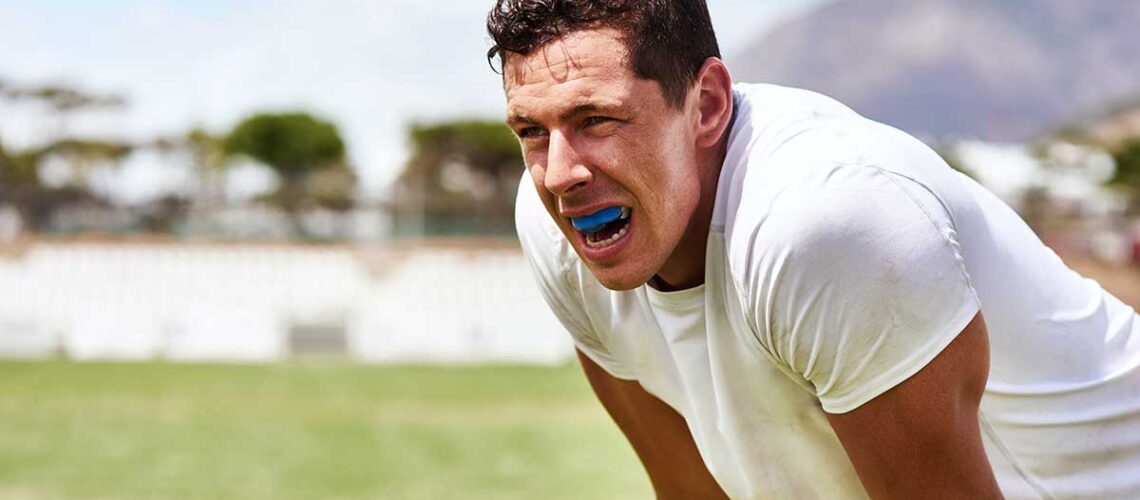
column 713, row 87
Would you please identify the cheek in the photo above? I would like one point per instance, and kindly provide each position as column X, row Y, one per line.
column 536, row 167
column 671, row 172
column 533, row 159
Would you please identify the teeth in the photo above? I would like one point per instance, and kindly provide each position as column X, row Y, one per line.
column 609, row 241
column 624, row 213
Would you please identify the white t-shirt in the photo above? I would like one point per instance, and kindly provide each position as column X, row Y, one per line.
column 843, row 256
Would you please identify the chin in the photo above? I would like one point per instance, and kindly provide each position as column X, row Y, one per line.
column 620, row 280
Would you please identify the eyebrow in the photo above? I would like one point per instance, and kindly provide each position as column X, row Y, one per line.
column 515, row 119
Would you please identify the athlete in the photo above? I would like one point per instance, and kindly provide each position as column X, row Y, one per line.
column 774, row 297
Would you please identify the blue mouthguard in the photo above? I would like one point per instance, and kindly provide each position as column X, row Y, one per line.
column 594, row 222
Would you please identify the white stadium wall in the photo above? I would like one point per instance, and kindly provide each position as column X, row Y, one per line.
column 246, row 303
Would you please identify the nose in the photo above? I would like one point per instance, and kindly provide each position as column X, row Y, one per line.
column 565, row 171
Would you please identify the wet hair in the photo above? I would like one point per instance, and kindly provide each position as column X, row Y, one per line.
column 668, row 40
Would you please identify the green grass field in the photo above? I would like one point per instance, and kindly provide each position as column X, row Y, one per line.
column 291, row 431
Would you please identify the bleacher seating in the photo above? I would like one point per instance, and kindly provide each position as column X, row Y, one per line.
column 236, row 303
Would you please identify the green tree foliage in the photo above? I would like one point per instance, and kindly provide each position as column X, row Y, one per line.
column 292, row 144
column 90, row 150
column 16, row 168
column 20, row 168
column 207, row 149
column 308, row 155
column 62, row 98
column 85, row 155
column 1127, row 158
column 20, row 186
column 207, row 154
column 1127, row 174
column 461, row 178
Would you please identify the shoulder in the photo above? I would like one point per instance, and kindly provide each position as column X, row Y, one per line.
column 782, row 137
column 851, row 270
column 843, row 248
column 825, row 172
column 847, row 212
column 838, row 191
column 785, row 130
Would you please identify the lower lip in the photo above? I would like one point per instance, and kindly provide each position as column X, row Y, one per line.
column 607, row 252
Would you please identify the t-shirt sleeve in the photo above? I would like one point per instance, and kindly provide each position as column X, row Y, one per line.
column 556, row 267
column 860, row 281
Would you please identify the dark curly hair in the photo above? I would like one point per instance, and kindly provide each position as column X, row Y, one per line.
column 668, row 40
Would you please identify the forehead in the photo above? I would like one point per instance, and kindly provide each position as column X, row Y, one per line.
column 583, row 66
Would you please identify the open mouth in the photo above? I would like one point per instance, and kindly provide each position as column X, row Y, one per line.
column 604, row 227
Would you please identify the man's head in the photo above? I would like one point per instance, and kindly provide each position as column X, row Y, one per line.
column 668, row 40
column 621, row 107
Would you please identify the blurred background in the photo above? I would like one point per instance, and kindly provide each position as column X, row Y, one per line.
column 255, row 249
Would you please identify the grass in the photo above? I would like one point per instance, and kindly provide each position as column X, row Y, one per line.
column 301, row 431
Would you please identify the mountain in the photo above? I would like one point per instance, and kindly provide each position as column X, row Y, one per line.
column 1001, row 70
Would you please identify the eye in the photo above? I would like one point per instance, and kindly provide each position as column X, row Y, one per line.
column 597, row 120
column 530, row 132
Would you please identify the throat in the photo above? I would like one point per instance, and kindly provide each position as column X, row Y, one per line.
column 685, row 267
column 661, row 285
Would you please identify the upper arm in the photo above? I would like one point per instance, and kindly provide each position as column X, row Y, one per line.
column 659, row 436
column 921, row 439
column 857, row 282
column 862, row 291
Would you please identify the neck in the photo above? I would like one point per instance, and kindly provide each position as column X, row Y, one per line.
column 686, row 266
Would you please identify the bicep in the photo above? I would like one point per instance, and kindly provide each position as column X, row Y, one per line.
column 921, row 439
column 658, row 434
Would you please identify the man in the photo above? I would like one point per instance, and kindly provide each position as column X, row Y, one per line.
column 774, row 297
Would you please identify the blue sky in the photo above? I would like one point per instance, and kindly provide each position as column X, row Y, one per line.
column 372, row 66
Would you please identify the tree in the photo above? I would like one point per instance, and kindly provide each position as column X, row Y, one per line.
column 304, row 151
column 293, row 144
column 67, row 99
column 461, row 178
column 18, row 168
column 206, row 152
column 85, row 155
column 63, row 101
column 20, row 185
column 1127, row 175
